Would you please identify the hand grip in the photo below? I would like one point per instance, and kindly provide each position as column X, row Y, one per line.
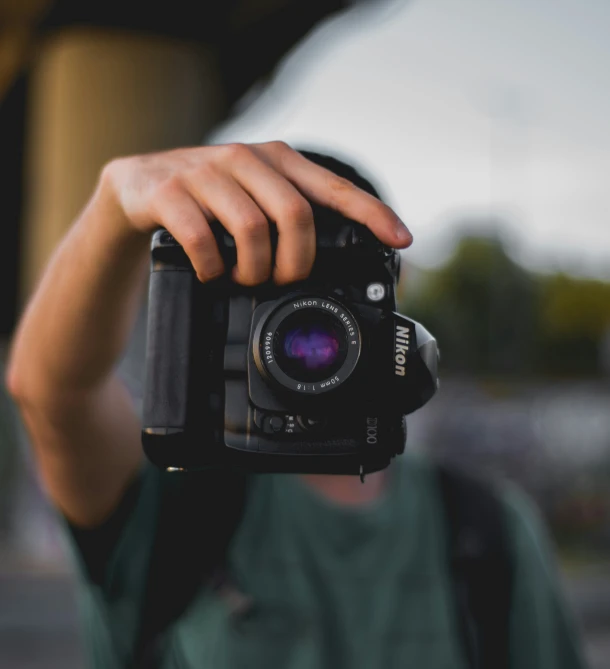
column 167, row 349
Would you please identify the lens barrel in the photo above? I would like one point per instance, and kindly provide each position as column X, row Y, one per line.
column 309, row 344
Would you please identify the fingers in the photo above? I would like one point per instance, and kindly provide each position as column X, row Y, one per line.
column 241, row 216
column 175, row 210
column 283, row 204
column 326, row 188
column 244, row 186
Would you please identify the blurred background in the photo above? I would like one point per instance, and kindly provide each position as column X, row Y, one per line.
column 487, row 126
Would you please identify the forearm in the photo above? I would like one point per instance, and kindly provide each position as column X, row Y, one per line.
column 79, row 416
column 77, row 323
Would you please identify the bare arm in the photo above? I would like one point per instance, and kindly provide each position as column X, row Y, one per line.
column 85, row 432
column 79, row 416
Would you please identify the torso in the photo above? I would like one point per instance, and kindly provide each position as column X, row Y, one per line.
column 316, row 584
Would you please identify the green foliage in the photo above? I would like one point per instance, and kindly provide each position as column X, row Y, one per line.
column 490, row 315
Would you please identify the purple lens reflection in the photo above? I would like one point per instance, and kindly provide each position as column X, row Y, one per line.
column 313, row 346
column 310, row 345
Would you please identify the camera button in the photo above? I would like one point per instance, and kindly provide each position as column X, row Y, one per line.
column 308, row 423
column 276, row 423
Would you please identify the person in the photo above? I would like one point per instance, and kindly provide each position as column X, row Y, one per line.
column 325, row 571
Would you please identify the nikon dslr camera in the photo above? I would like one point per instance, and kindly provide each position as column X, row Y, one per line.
column 316, row 376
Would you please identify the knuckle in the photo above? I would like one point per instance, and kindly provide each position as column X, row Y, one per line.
column 181, row 222
column 168, row 188
column 254, row 227
column 275, row 153
column 279, row 146
column 339, row 188
column 204, row 173
column 299, row 212
column 340, row 184
column 201, row 172
column 235, row 151
column 195, row 241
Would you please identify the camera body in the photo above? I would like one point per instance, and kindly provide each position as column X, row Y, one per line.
column 316, row 376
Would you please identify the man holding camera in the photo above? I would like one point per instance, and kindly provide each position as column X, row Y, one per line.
column 305, row 571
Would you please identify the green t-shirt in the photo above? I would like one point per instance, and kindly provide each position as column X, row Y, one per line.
column 328, row 586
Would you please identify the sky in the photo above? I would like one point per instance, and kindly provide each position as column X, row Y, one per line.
column 463, row 110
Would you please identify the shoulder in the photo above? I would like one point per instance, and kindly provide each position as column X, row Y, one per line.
column 522, row 512
column 528, row 532
column 458, row 485
column 485, row 500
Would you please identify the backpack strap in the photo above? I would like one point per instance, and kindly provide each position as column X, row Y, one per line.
column 197, row 517
column 481, row 566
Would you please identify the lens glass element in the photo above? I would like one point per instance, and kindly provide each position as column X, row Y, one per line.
column 310, row 345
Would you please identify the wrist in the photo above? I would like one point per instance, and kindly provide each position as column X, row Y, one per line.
column 106, row 203
column 106, row 216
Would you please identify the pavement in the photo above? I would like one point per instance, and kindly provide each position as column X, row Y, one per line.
column 588, row 592
column 39, row 622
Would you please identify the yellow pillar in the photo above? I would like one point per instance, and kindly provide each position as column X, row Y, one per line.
column 100, row 94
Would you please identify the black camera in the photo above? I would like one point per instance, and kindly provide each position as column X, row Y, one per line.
column 316, row 376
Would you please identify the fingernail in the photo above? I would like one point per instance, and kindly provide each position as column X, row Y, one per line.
column 403, row 233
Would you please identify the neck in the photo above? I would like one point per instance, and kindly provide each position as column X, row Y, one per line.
column 348, row 490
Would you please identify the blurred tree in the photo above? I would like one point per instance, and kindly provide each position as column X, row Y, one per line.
column 492, row 316
column 481, row 307
column 574, row 317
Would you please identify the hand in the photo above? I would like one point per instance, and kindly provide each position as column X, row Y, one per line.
column 242, row 186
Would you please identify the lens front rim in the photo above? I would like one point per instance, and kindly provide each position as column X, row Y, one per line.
column 264, row 337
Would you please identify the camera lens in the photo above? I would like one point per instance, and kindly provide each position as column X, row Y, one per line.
column 310, row 345
column 307, row 344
